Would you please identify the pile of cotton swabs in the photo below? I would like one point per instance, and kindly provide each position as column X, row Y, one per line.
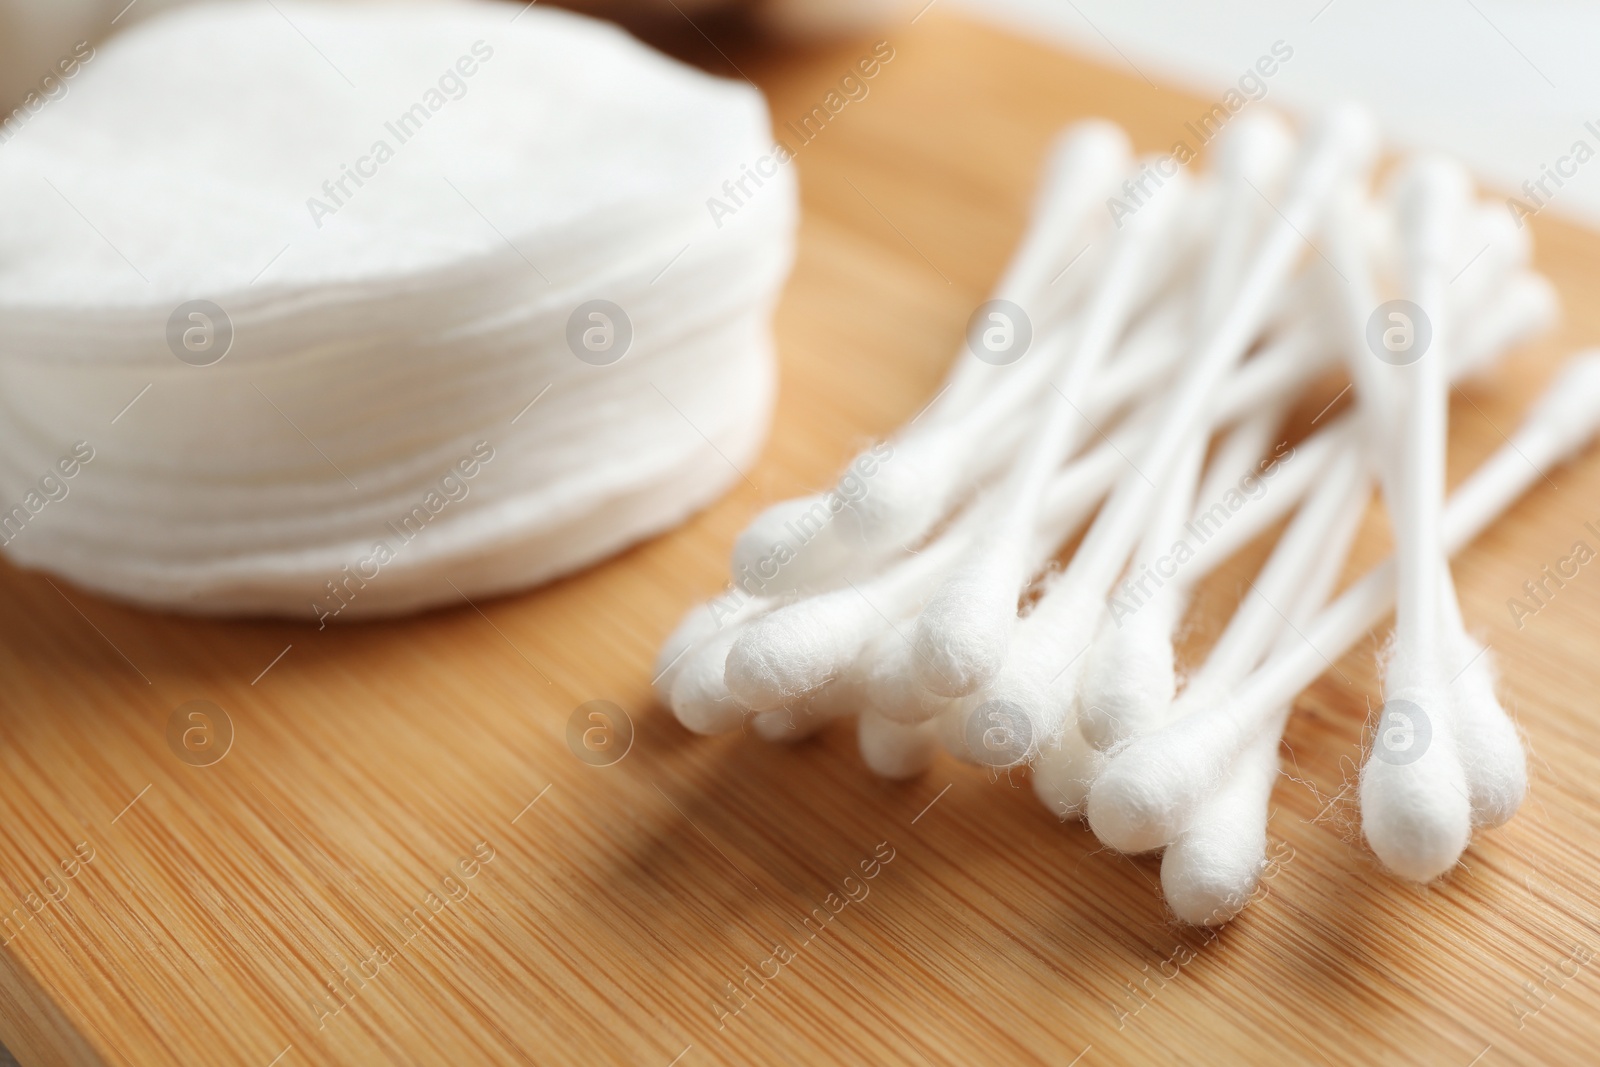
column 1166, row 340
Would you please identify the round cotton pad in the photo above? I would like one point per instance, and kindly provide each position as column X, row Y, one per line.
column 354, row 304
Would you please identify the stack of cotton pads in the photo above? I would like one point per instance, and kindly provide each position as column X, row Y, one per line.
column 1129, row 382
column 362, row 308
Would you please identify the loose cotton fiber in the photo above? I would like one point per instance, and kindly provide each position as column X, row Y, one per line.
column 427, row 296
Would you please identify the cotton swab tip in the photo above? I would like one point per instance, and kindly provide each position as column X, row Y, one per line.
column 1092, row 146
column 699, row 698
column 1491, row 750
column 798, row 648
column 1415, row 812
column 1064, row 772
column 963, row 633
column 895, row 751
column 1153, row 785
column 1130, row 679
column 790, row 546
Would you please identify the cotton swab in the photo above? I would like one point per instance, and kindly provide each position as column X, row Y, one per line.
column 964, row 631
column 1415, row 811
column 1490, row 751
column 1210, row 872
column 698, row 625
column 1150, row 788
column 1215, row 546
column 1085, row 159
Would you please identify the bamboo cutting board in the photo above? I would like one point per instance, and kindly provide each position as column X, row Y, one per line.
column 400, row 859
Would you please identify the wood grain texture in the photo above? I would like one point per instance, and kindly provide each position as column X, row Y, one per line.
column 371, row 760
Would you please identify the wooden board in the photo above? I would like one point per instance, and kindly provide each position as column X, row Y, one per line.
column 228, row 910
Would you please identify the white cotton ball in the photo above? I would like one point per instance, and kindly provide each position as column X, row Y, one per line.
column 1151, row 787
column 1491, row 753
column 797, row 648
column 791, row 547
column 964, row 632
column 893, row 750
column 1130, row 678
column 1064, row 772
column 892, row 689
column 699, row 698
column 1209, row 872
column 1414, row 808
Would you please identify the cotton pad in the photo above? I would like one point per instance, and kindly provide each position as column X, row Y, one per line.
column 465, row 321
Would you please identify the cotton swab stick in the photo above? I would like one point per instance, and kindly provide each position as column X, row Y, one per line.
column 1150, row 789
column 1210, row 872
column 1239, row 452
column 1069, row 762
column 1415, row 811
column 1258, row 619
column 1216, row 546
column 963, row 633
column 781, row 551
column 887, row 690
column 893, row 750
column 1338, row 147
column 1086, row 158
column 1286, row 474
column 890, row 688
column 894, row 690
